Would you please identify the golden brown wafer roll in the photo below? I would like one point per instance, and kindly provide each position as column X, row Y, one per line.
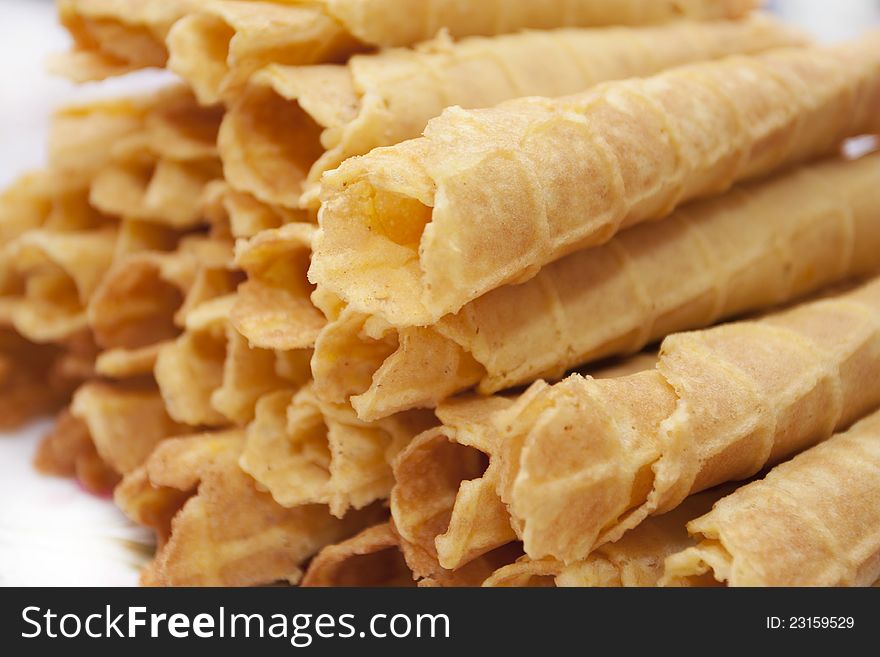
column 273, row 309
column 84, row 138
column 68, row 450
column 113, row 37
column 305, row 451
column 637, row 559
column 586, row 460
column 218, row 46
column 142, row 301
column 125, row 421
column 813, row 521
column 211, row 376
column 234, row 214
column 757, row 246
column 36, row 379
column 372, row 558
column 57, row 273
column 41, row 199
column 413, row 232
column 225, row 532
column 292, row 124
column 445, row 501
column 162, row 191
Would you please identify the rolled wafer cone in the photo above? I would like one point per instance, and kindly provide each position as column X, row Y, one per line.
column 586, row 460
column 125, row 421
column 215, row 526
column 42, row 199
column 273, row 309
column 413, row 232
column 813, row 521
column 292, row 124
column 417, row 20
column 84, row 138
column 757, row 246
column 305, row 451
column 162, row 191
column 637, row 559
column 218, row 46
column 68, row 450
column 57, row 273
column 142, row 301
column 113, row 37
column 235, row 214
column 210, row 376
column 445, row 502
column 371, row 558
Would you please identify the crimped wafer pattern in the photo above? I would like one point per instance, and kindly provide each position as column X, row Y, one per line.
column 569, row 173
column 812, row 521
column 384, row 98
column 722, row 404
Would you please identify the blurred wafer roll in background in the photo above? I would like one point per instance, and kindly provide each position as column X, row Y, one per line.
column 637, row 559
column 586, row 460
column 125, row 421
column 113, row 37
column 293, row 123
column 305, row 451
column 168, row 122
column 233, row 214
column 56, row 274
column 273, row 307
column 371, row 558
column 813, row 521
column 68, row 450
column 756, row 246
column 144, row 298
column 211, row 376
column 218, row 45
column 214, row 526
column 413, row 232
column 36, row 379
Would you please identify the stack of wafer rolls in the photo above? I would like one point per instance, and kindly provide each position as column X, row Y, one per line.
column 759, row 245
column 293, row 123
column 304, row 350
column 410, row 232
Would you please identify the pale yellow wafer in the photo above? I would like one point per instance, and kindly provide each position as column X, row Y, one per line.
column 813, row 521
column 586, row 460
column 413, row 232
column 305, row 451
column 215, row 527
column 757, row 246
column 218, row 46
column 637, row 559
column 292, row 124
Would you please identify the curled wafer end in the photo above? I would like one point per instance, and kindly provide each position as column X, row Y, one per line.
column 114, row 37
column 223, row 531
column 219, row 46
column 284, row 129
column 305, row 450
column 125, row 421
column 444, row 503
column 59, row 272
column 273, row 309
column 371, row 558
column 383, row 370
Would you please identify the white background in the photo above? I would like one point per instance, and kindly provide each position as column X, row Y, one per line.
column 51, row 532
